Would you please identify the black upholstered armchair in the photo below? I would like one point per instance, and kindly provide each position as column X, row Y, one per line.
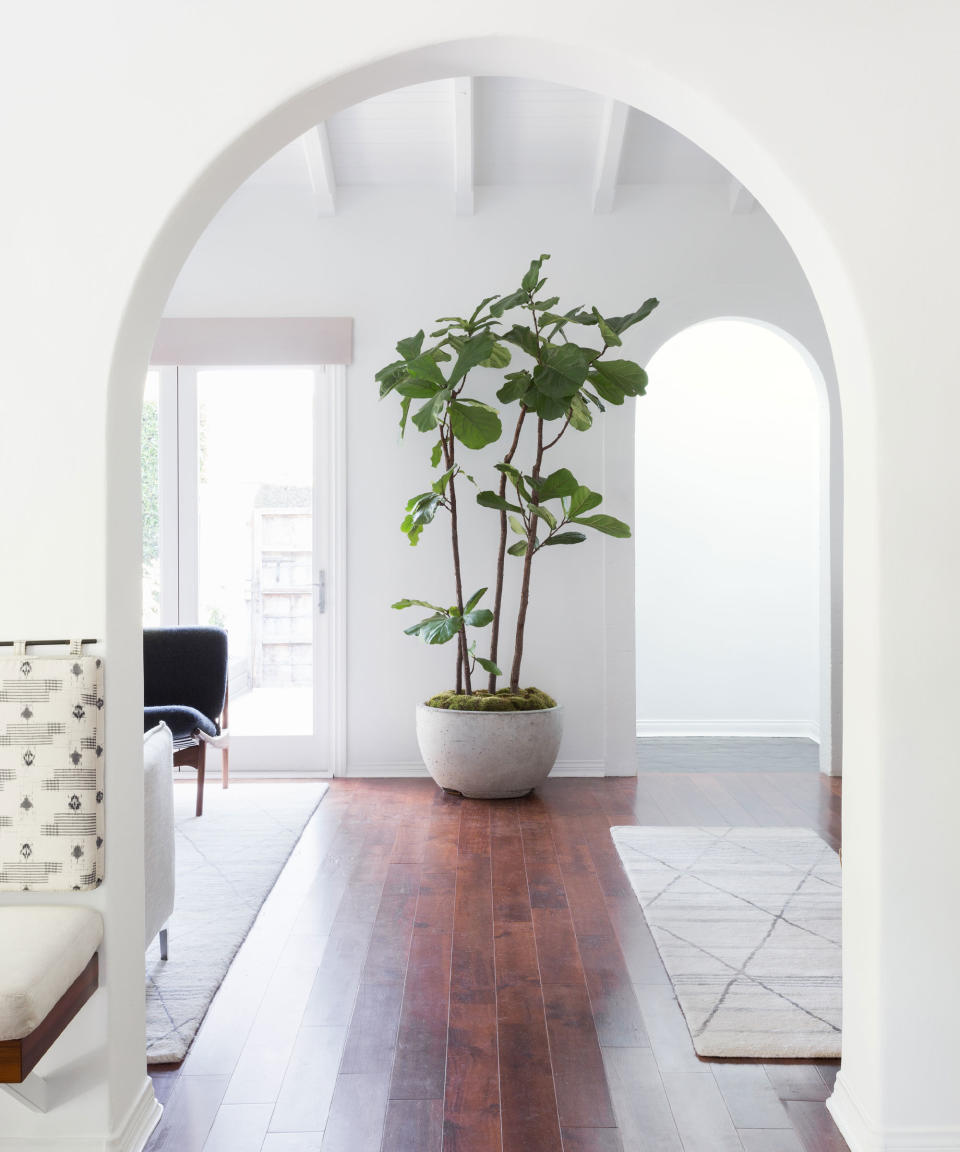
column 185, row 686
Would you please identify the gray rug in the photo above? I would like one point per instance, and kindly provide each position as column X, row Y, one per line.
column 747, row 921
column 227, row 862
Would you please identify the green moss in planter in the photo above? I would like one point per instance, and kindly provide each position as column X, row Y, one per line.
column 526, row 700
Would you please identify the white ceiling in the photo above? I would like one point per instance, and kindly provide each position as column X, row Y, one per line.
column 512, row 132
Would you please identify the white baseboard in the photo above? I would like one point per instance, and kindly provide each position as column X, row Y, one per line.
column 759, row 728
column 862, row 1135
column 131, row 1136
column 399, row 770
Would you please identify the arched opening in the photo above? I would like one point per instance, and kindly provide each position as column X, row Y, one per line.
column 233, row 155
column 738, row 562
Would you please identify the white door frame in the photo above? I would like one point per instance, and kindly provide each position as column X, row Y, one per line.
column 322, row 754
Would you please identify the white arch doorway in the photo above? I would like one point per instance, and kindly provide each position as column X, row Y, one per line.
column 752, row 431
column 221, row 153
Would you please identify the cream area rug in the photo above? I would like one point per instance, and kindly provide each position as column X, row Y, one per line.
column 747, row 921
column 227, row 861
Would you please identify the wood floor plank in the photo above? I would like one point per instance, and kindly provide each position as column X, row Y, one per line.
column 372, row 1035
column 557, row 949
column 640, row 1104
column 528, row 1098
column 583, row 1100
column 749, row 1096
column 386, row 959
column 591, row 1140
column 770, row 1140
column 701, row 1116
column 189, row 1115
column 815, row 1127
column 413, row 1126
column 616, row 1011
column 357, row 1112
column 471, row 1105
column 419, row 1068
column 667, row 1030
column 338, row 976
column 239, row 1128
column 307, row 1089
column 797, row 1081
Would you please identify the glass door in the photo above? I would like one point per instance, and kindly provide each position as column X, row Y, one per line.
column 253, row 542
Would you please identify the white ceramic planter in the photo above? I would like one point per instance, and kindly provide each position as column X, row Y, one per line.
column 489, row 755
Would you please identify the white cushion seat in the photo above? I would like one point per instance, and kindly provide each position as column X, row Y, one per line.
column 45, row 949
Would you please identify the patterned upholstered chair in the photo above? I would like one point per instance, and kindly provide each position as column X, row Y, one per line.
column 185, row 687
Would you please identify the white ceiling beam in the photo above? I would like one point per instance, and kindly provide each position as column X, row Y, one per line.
column 463, row 145
column 316, row 153
column 741, row 201
column 612, row 132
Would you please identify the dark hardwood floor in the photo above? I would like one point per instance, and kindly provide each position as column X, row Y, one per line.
column 432, row 972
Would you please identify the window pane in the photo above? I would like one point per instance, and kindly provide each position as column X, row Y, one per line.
column 256, row 540
column 150, row 498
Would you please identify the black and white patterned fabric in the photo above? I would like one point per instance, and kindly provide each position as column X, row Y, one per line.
column 51, row 771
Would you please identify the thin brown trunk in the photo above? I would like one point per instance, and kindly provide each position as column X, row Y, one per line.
column 463, row 659
column 527, row 565
column 501, row 554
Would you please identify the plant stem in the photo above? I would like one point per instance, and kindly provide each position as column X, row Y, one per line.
column 463, row 663
column 527, row 565
column 501, row 553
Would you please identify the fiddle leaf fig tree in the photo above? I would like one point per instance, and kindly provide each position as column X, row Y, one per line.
column 559, row 383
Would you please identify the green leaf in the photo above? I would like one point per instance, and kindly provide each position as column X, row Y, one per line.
column 505, row 303
column 473, row 601
column 580, row 418
column 409, row 349
column 609, row 391
column 566, row 538
column 546, row 305
column 532, row 275
column 559, row 483
column 515, row 387
column 436, row 454
column 478, row 618
column 524, row 338
column 404, row 413
column 488, row 666
column 418, row 603
column 495, row 500
column 480, row 307
column 562, row 372
column 610, row 338
column 425, row 368
column 518, row 549
column 474, row 351
column 473, row 425
column 391, row 376
column 439, row 485
column 517, row 525
column 544, row 514
column 437, row 629
column 498, row 358
column 582, row 501
column 621, row 323
column 588, row 395
column 417, row 389
column 516, row 479
column 623, row 374
column 427, row 417
column 609, row 525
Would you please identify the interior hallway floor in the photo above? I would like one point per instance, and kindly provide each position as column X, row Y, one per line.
column 431, row 972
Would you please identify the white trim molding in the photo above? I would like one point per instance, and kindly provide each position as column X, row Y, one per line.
column 234, row 341
column 131, row 1135
column 863, row 1135
column 803, row 729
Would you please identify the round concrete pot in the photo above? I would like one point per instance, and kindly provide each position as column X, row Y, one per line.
column 489, row 755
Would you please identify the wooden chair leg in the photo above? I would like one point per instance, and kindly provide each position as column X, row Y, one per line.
column 226, row 767
column 201, row 768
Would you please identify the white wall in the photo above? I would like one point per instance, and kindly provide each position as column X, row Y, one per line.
column 728, row 536
column 126, row 129
column 267, row 253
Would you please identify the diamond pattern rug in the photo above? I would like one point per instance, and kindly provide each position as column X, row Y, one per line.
column 747, row 921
